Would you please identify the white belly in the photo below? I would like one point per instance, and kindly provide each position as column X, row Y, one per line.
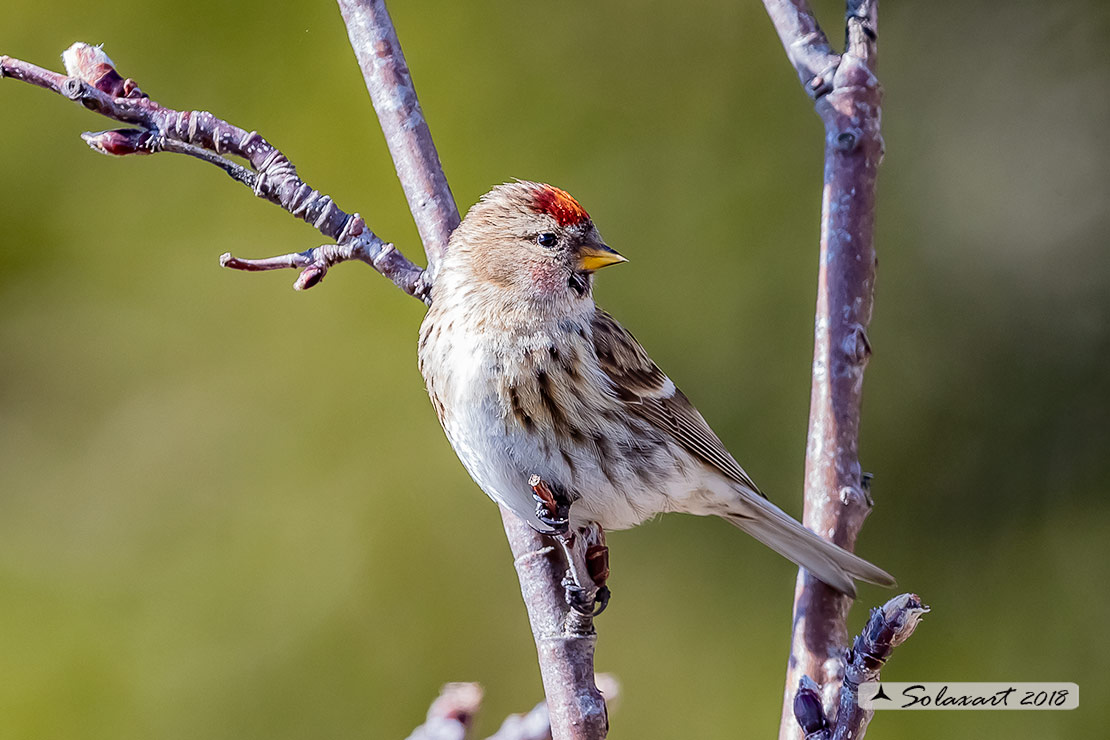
column 477, row 425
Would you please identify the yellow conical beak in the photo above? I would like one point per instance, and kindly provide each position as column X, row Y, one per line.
column 595, row 256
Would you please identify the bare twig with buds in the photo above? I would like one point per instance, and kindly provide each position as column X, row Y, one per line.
column 837, row 498
column 576, row 706
column 886, row 629
column 94, row 82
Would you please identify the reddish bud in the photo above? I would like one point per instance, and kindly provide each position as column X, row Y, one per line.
column 120, row 142
column 310, row 277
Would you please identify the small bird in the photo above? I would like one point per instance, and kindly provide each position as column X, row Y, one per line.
column 530, row 378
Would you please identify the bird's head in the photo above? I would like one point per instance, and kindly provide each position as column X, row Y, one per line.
column 531, row 239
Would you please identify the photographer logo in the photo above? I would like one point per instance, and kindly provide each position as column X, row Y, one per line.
column 967, row 695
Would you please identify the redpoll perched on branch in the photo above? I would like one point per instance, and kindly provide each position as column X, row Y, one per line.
column 530, row 378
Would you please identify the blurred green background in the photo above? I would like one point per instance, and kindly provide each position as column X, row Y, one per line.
column 227, row 510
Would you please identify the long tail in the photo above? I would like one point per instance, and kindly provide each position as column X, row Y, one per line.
column 834, row 565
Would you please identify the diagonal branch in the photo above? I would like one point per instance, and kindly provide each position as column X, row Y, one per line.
column 389, row 83
column 886, row 629
column 805, row 43
column 94, row 83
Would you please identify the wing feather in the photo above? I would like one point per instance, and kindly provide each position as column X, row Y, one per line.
column 648, row 393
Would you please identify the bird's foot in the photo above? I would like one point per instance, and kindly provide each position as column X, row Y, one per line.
column 550, row 509
column 587, row 571
column 589, row 602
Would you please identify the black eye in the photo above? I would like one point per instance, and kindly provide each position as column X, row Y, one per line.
column 547, row 239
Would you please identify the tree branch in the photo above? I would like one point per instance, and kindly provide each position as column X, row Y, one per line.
column 805, row 43
column 94, row 82
column 837, row 497
column 887, row 628
column 379, row 55
column 565, row 639
column 861, row 32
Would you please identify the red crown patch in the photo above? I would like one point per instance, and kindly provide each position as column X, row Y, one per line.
column 559, row 205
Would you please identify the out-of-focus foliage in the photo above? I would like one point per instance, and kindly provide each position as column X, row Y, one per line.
column 227, row 511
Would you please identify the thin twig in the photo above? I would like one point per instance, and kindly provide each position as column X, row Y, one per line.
column 94, row 83
column 124, row 141
column 886, row 629
column 535, row 725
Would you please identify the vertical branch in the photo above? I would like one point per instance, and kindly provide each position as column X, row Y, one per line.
column 836, row 496
column 576, row 707
column 836, row 502
column 566, row 656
